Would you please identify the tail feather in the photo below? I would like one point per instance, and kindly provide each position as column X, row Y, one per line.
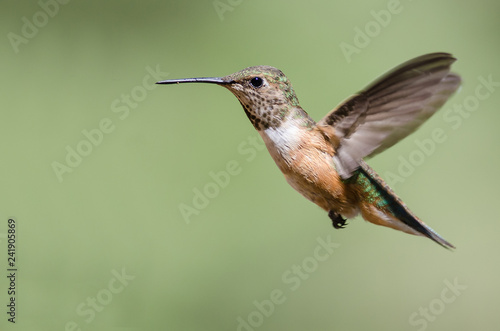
column 387, row 209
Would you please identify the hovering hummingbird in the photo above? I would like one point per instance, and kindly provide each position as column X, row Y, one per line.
column 323, row 160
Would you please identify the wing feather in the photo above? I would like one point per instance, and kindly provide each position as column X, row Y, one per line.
column 390, row 108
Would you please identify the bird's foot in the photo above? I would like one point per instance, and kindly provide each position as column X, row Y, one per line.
column 338, row 221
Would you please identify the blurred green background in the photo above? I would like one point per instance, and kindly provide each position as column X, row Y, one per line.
column 102, row 242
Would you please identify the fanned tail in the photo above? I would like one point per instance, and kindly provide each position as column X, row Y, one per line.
column 381, row 206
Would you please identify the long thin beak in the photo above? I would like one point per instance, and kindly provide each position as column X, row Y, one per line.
column 211, row 80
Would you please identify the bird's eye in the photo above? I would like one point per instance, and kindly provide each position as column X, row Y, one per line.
column 257, row 82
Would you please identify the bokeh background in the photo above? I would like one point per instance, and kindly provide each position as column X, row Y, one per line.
column 102, row 241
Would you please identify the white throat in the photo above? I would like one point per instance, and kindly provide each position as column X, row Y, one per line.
column 283, row 138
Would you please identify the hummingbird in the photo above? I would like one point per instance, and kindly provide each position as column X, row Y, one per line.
column 324, row 161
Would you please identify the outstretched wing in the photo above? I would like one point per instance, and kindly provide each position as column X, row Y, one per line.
column 389, row 109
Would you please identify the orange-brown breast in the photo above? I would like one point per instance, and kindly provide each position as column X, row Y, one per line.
column 310, row 170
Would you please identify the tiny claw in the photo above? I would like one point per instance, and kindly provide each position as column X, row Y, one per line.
column 338, row 221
